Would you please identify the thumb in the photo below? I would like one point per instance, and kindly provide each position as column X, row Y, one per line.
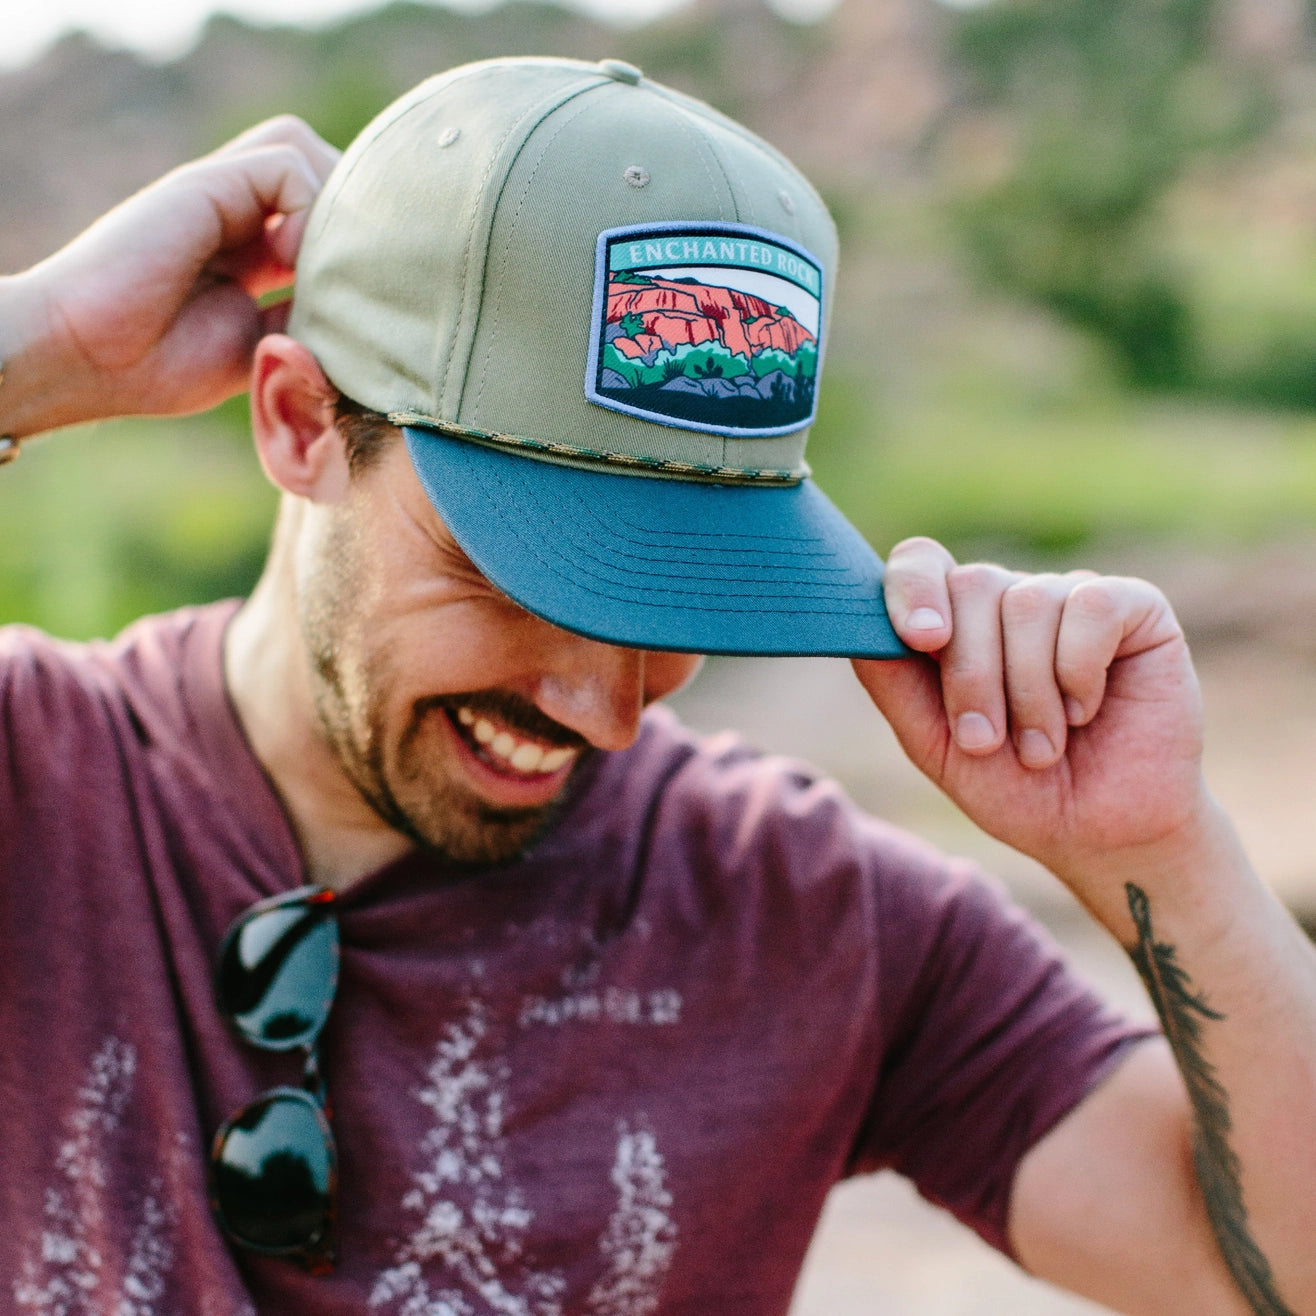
column 907, row 692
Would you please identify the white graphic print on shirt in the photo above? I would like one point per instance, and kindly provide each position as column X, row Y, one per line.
column 74, row 1269
column 473, row 1253
column 640, row 1237
column 106, row 1246
column 470, row 1261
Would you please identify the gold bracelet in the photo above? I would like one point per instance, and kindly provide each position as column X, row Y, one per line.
column 8, row 444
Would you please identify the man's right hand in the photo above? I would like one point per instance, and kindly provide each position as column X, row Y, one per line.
column 153, row 310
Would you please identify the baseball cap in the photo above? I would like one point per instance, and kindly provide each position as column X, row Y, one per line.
column 597, row 309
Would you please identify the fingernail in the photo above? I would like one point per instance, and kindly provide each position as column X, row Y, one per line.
column 925, row 619
column 1073, row 711
column 1035, row 749
column 974, row 731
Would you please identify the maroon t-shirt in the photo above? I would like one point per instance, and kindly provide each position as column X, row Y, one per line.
column 614, row 1078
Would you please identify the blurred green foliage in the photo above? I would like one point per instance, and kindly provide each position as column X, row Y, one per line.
column 338, row 77
column 111, row 521
column 1087, row 472
column 1106, row 103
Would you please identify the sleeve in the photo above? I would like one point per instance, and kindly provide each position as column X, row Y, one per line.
column 46, row 715
column 15, row 675
column 988, row 1039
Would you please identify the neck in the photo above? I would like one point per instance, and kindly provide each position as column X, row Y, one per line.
column 266, row 670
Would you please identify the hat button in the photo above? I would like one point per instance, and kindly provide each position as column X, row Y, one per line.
column 620, row 71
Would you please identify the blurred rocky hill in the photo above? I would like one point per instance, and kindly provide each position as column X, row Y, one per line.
column 85, row 126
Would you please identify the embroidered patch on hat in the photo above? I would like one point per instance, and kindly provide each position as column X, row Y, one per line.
column 710, row 327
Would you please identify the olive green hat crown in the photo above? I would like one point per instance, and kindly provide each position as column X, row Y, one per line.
column 450, row 274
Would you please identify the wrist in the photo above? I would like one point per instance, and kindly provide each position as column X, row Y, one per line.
column 1198, row 872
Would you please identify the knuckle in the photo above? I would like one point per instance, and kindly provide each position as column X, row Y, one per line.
column 1096, row 599
column 1030, row 599
column 975, row 578
column 1077, row 671
column 970, row 674
column 285, row 125
column 917, row 544
column 1038, row 713
column 1028, row 690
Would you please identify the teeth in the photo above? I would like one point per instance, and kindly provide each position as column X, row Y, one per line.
column 523, row 755
column 526, row 757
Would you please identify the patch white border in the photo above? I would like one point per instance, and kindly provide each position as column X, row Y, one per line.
column 700, row 228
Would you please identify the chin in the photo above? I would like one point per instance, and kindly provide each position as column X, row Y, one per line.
column 473, row 832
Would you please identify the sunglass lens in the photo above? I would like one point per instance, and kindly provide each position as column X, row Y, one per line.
column 273, row 1171
column 278, row 968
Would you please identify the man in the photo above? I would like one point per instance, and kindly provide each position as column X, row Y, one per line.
column 613, row 1007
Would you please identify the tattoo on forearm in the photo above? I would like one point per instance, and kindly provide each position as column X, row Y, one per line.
column 1182, row 1012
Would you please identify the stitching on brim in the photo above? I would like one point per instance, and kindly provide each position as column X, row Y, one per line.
column 688, row 598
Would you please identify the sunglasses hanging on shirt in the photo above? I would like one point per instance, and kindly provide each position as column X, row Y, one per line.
column 273, row 1165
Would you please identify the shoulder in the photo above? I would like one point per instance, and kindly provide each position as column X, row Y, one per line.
column 43, row 678
column 712, row 782
column 724, row 782
column 55, row 689
column 724, row 823
column 725, row 811
column 164, row 661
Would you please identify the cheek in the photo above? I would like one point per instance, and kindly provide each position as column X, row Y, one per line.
column 447, row 647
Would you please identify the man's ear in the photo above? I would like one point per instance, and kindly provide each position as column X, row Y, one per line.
column 292, row 420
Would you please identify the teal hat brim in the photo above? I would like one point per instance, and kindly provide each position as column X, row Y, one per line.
column 660, row 563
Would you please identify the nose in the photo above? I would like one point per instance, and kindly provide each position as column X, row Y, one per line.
column 596, row 689
column 599, row 690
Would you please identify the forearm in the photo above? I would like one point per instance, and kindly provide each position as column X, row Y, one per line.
column 1234, row 981
column 37, row 387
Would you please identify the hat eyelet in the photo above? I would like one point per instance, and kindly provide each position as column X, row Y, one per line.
column 636, row 175
column 447, row 137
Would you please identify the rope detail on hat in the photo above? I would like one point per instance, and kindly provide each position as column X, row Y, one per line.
column 658, row 465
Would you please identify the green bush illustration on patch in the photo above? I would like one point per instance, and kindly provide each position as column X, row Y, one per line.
column 705, row 361
column 696, row 362
column 803, row 365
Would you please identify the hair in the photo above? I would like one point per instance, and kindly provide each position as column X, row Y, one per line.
column 366, row 433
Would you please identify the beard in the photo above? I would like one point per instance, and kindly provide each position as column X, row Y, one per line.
column 410, row 782
column 410, row 789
